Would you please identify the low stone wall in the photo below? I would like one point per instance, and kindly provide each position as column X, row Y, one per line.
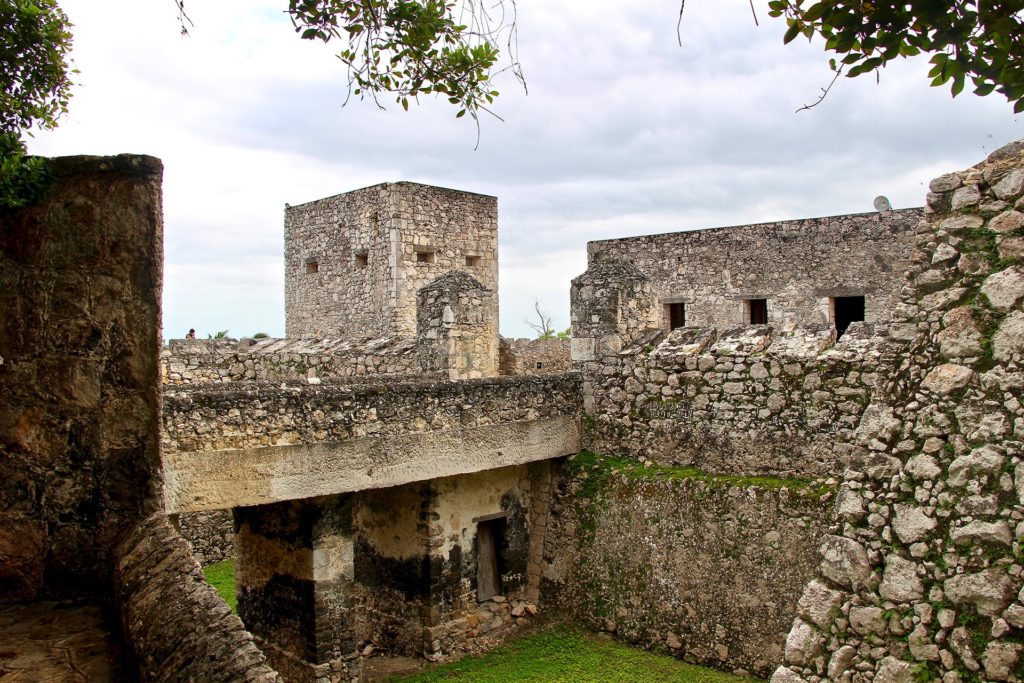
column 533, row 356
column 706, row 568
column 747, row 401
column 174, row 623
column 202, row 361
column 211, row 535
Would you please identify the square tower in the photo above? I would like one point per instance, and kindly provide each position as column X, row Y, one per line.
column 354, row 262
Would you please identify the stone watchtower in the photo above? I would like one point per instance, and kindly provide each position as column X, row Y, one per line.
column 354, row 262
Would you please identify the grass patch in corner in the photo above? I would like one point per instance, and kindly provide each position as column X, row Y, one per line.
column 221, row 575
column 632, row 469
column 566, row 655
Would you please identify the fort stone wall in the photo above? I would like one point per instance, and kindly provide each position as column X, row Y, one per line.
column 80, row 281
column 922, row 580
column 82, row 520
column 354, row 262
column 798, row 266
column 751, row 400
column 707, row 568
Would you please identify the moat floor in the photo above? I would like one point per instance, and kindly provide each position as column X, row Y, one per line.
column 45, row 641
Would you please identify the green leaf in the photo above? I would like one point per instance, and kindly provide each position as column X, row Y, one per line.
column 814, row 12
column 791, row 33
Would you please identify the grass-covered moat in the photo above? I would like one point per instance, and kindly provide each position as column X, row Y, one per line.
column 568, row 655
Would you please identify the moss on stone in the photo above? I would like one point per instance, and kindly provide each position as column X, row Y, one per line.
column 600, row 467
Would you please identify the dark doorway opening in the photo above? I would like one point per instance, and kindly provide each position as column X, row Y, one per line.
column 490, row 540
column 676, row 314
column 758, row 311
column 846, row 310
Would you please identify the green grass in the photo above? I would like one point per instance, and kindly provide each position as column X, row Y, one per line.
column 222, row 577
column 565, row 655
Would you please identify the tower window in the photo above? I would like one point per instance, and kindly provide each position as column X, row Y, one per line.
column 675, row 315
column 472, row 261
column 361, row 260
column 846, row 310
column 312, row 267
column 757, row 311
column 424, row 257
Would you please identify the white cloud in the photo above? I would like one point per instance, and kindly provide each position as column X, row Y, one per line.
column 623, row 132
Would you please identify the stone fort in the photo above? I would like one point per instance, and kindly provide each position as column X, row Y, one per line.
column 789, row 449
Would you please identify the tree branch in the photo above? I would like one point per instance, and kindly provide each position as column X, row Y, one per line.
column 824, row 92
column 183, row 17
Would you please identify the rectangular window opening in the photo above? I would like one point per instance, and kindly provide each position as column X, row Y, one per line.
column 757, row 311
column 490, row 542
column 312, row 267
column 424, row 257
column 675, row 315
column 361, row 260
column 846, row 310
column 472, row 261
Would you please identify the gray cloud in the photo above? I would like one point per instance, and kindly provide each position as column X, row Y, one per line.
column 623, row 132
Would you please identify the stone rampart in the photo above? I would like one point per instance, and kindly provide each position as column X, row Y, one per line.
column 174, row 623
column 798, row 266
column 707, row 568
column 533, row 356
column 214, row 361
column 249, row 443
column 744, row 401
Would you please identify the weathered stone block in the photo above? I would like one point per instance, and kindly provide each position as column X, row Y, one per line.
column 900, row 582
column 990, row 591
column 845, row 561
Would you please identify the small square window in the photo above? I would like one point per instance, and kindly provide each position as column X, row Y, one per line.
column 846, row 310
column 757, row 311
column 361, row 260
column 675, row 315
column 472, row 261
column 424, row 257
column 312, row 267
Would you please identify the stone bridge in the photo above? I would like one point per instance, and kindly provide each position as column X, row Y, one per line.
column 248, row 443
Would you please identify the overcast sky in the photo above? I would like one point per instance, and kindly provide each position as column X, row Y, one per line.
column 623, row 133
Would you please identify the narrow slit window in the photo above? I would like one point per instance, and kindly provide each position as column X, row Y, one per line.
column 675, row 315
column 846, row 310
column 472, row 261
column 424, row 257
column 312, row 267
column 362, row 260
column 758, row 311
